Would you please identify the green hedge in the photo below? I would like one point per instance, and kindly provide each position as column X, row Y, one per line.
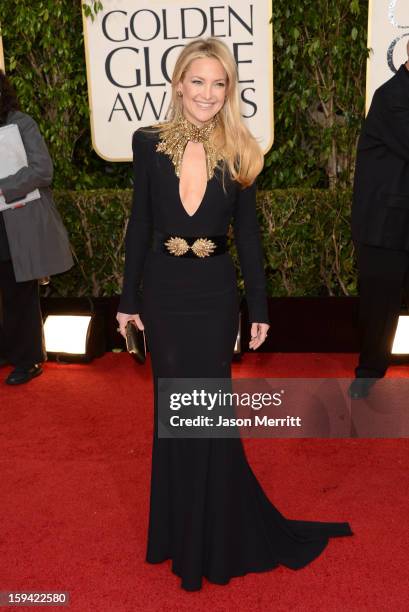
column 307, row 242
column 306, row 239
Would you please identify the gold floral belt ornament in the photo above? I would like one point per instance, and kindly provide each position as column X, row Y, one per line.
column 190, row 246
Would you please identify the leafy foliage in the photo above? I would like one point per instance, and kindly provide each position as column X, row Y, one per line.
column 91, row 8
column 307, row 242
column 319, row 72
column 44, row 54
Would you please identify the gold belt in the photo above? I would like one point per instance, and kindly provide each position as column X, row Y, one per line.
column 185, row 246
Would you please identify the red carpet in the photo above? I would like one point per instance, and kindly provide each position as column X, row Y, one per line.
column 75, row 468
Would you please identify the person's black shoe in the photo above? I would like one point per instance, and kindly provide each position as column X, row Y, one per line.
column 360, row 387
column 22, row 375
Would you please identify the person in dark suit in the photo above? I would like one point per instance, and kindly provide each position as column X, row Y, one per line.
column 33, row 245
column 380, row 225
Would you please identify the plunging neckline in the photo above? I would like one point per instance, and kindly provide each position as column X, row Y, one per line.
column 203, row 197
column 201, row 201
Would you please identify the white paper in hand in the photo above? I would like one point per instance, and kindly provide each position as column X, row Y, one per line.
column 12, row 158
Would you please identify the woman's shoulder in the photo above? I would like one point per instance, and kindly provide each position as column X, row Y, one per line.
column 147, row 135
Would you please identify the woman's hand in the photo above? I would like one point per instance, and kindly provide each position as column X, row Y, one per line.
column 123, row 319
column 258, row 334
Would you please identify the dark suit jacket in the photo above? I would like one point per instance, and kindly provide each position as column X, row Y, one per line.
column 380, row 208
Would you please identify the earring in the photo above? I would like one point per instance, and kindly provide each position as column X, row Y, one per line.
column 179, row 93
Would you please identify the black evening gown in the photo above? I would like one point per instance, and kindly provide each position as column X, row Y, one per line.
column 208, row 513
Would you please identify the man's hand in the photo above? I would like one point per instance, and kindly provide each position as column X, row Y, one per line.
column 258, row 334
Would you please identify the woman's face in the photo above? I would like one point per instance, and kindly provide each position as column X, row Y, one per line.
column 204, row 89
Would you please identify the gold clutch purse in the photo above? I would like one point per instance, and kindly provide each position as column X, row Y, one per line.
column 135, row 342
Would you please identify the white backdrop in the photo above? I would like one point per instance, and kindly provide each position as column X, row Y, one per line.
column 388, row 34
column 131, row 49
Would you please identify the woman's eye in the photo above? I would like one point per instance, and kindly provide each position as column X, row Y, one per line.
column 196, row 82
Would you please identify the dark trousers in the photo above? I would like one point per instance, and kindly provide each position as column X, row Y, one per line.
column 21, row 325
column 383, row 284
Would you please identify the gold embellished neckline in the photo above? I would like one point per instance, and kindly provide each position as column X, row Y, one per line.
column 174, row 139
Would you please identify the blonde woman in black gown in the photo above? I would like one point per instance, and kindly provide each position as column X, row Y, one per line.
column 208, row 513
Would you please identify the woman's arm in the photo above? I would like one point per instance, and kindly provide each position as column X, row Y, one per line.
column 139, row 230
column 250, row 252
column 38, row 173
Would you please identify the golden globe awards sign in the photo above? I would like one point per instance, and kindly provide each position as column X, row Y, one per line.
column 131, row 48
column 388, row 35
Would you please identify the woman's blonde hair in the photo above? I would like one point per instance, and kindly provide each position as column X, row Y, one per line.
column 241, row 152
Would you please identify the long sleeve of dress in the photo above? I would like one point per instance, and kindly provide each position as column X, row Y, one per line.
column 249, row 248
column 139, row 230
column 39, row 171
